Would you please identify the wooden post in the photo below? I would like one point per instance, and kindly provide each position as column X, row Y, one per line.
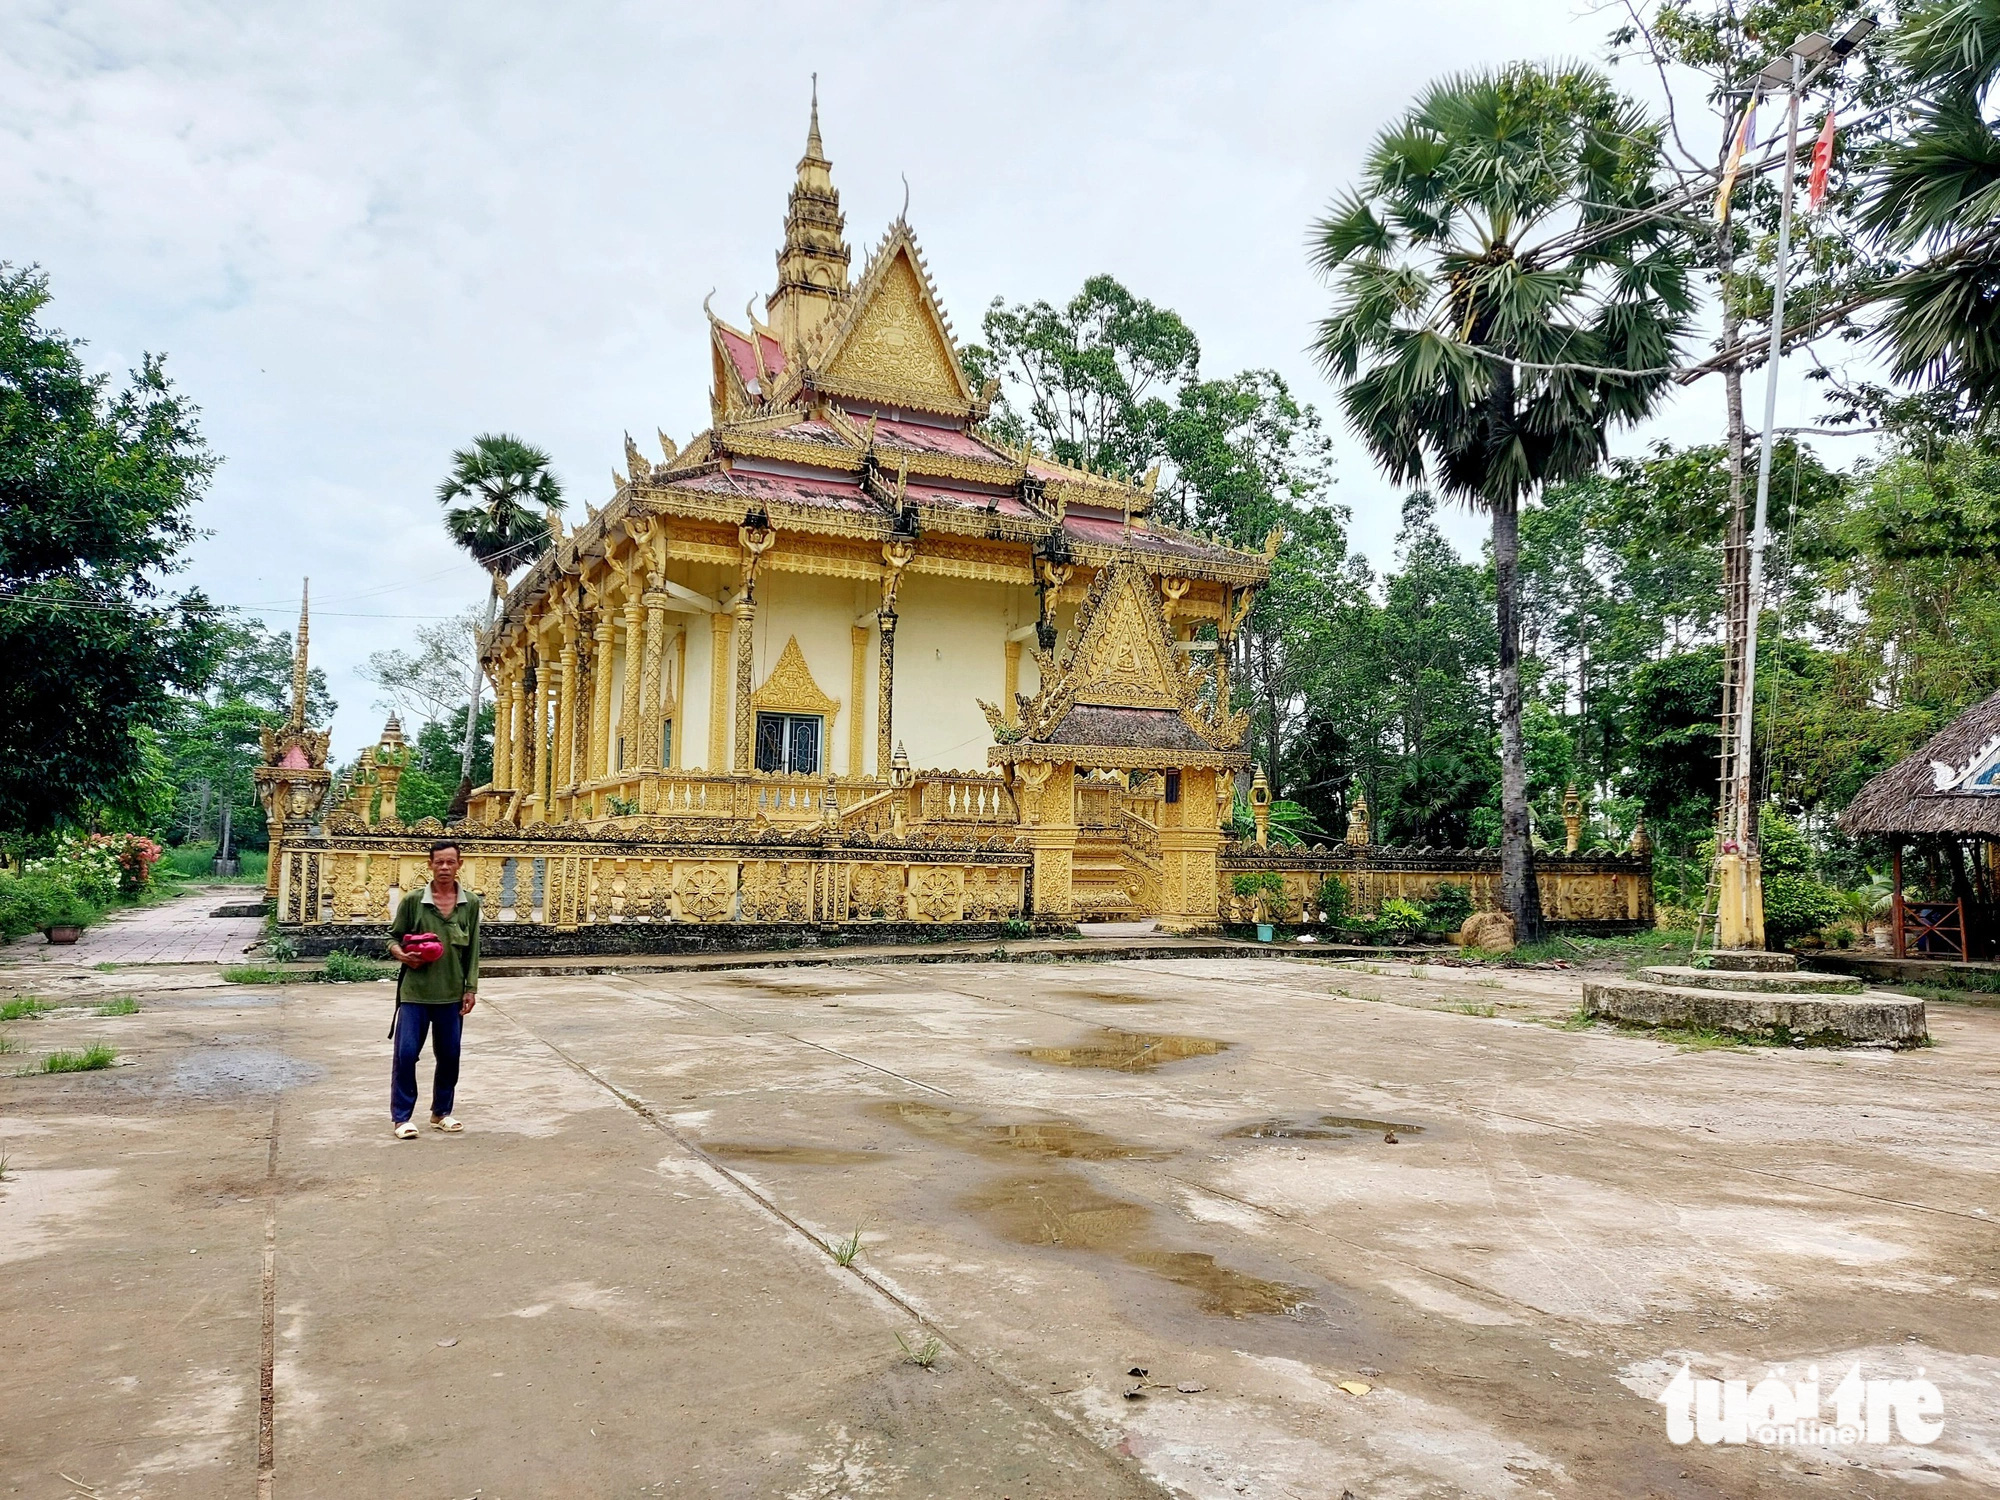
column 1896, row 901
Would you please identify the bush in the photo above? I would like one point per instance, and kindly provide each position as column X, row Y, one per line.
column 1795, row 905
column 352, row 968
column 38, row 901
column 1400, row 916
column 1335, row 904
column 1448, row 909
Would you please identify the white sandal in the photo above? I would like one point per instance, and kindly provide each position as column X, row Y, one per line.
column 406, row 1131
column 447, row 1124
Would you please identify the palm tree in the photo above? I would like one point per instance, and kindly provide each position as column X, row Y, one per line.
column 1502, row 297
column 500, row 503
column 1938, row 190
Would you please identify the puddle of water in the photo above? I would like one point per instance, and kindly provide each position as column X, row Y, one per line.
column 1064, row 1212
column 1372, row 1127
column 1325, row 1128
column 241, row 1070
column 803, row 1156
column 1058, row 1138
column 1280, row 1130
column 1060, row 1210
column 1226, row 1293
column 1126, row 1051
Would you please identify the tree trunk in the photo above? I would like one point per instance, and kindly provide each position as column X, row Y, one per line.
column 1519, row 895
column 463, row 796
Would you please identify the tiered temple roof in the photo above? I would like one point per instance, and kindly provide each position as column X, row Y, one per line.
column 847, row 411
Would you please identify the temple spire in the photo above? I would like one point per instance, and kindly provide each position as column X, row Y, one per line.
column 298, row 720
column 812, row 266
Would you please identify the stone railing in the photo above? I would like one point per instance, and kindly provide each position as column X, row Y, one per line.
column 1597, row 891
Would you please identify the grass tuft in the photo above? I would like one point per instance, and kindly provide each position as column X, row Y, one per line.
column 107, row 968
column 22, row 1007
column 923, row 1355
column 89, row 1060
column 1473, row 1008
column 352, row 968
column 7, row 1044
column 256, row 974
column 844, row 1251
column 124, row 1005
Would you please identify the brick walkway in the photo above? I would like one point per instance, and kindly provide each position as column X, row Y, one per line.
column 180, row 931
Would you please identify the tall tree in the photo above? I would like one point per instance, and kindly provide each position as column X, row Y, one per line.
column 1503, row 297
column 1938, row 190
column 501, row 505
column 97, row 493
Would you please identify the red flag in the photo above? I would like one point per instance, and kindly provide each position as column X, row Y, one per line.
column 1822, row 160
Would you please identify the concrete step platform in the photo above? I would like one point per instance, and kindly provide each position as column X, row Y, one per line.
column 1754, row 982
column 1873, row 1017
column 1750, row 961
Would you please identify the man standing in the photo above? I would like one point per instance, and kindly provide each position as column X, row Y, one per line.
column 437, row 989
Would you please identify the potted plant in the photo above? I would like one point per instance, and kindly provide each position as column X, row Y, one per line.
column 64, row 915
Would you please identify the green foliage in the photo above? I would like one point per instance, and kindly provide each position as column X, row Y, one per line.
column 1400, row 917
column 1447, row 910
column 97, row 491
column 352, row 968
column 89, row 1060
column 1335, row 901
column 258, row 974
column 124, row 1005
column 1258, row 883
column 37, row 902
column 23, row 1008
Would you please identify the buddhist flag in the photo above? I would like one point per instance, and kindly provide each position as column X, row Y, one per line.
column 1822, row 162
column 1746, row 133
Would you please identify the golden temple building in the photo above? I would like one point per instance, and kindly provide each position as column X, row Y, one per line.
column 843, row 657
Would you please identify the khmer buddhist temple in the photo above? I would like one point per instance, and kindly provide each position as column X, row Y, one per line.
column 846, row 657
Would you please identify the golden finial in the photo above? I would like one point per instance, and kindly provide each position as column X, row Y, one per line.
column 299, row 660
column 813, row 147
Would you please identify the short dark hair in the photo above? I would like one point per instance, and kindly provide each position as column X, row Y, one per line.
column 441, row 844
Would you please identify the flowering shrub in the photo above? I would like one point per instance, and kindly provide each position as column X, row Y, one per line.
column 97, row 866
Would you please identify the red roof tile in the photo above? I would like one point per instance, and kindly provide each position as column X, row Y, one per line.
column 920, row 438
column 738, row 348
column 751, row 487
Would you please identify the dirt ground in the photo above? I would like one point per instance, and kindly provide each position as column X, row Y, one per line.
column 1151, row 1214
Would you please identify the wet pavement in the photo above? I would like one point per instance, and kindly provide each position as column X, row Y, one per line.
column 1288, row 1229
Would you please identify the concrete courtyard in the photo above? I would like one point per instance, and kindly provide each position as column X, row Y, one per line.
column 1210, row 1227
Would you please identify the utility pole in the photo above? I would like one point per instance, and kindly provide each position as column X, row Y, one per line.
column 1739, row 881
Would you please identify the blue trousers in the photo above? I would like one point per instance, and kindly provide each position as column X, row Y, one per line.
column 445, row 1026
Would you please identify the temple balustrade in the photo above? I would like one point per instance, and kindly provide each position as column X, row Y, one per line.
column 1594, row 891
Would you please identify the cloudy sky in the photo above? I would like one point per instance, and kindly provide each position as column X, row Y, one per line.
column 364, row 232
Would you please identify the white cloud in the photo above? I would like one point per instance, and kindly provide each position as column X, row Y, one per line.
column 363, row 233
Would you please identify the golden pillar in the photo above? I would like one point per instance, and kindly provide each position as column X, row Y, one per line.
column 1190, row 846
column 635, row 654
column 1011, row 686
column 746, row 670
column 1047, row 794
column 562, row 778
column 720, row 627
column 885, row 693
column 671, row 756
column 598, row 765
column 538, row 741
column 502, row 708
column 1572, row 819
column 857, row 689
column 649, row 700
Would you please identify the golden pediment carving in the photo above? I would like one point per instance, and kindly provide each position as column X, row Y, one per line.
column 790, row 687
column 896, row 341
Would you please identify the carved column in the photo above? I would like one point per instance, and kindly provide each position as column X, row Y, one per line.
column 563, row 781
column 600, row 764
column 720, row 627
column 1048, row 796
column 1190, row 847
column 635, row 655
column 649, row 699
column 857, row 692
column 1011, row 685
column 670, row 757
column 534, row 728
column 503, row 709
column 885, row 694
column 746, row 669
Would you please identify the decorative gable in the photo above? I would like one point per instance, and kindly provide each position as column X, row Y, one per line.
column 892, row 346
column 790, row 687
column 1123, row 657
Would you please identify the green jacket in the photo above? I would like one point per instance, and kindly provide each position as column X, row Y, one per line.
column 456, row 975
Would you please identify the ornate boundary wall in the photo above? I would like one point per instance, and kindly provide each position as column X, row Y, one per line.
column 1582, row 892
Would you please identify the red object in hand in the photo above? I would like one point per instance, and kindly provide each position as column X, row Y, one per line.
column 424, row 947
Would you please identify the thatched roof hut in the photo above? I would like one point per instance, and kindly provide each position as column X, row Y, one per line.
column 1950, row 788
